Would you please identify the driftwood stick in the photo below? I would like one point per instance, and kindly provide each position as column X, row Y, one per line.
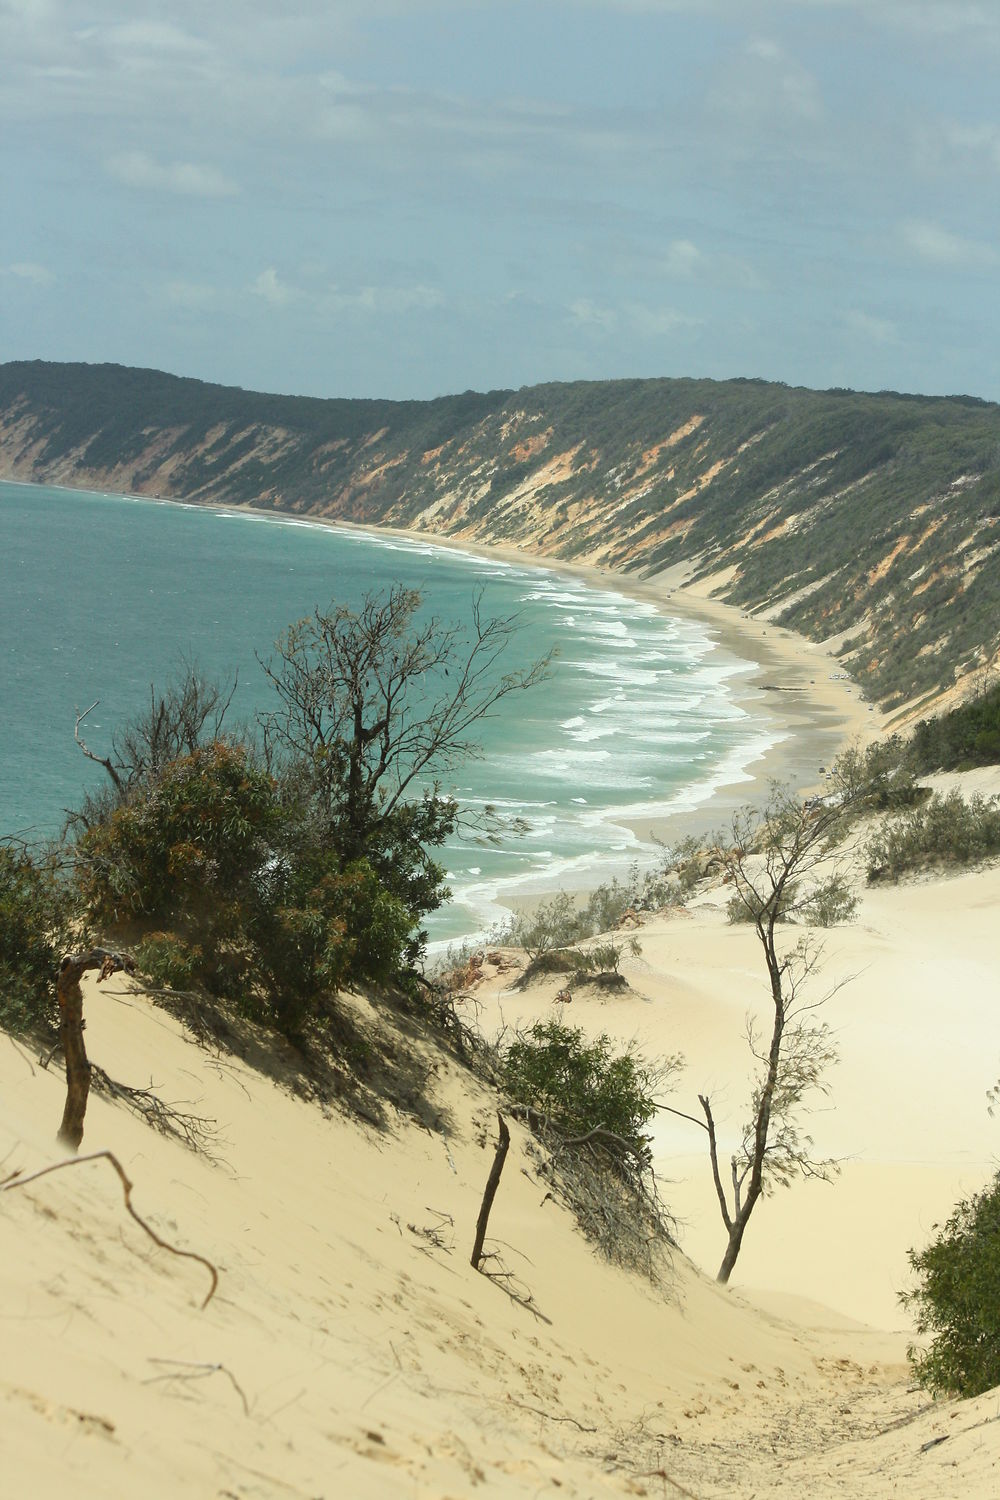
column 492, row 1183
column 78, row 1070
column 188, row 1369
column 17, row 1181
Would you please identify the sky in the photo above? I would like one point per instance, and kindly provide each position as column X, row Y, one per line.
column 408, row 198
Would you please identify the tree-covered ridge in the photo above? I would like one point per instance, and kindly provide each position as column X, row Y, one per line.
column 871, row 518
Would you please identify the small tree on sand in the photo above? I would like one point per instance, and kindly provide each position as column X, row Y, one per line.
column 374, row 706
column 779, row 862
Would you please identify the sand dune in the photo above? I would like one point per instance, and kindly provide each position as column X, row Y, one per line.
column 374, row 1361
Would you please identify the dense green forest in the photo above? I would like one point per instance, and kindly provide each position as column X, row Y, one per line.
column 871, row 519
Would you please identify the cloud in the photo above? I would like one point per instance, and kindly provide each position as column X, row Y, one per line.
column 925, row 17
column 382, row 299
column 939, row 247
column 874, row 330
column 765, row 84
column 658, row 322
column 335, row 301
column 635, row 317
column 272, row 290
column 978, row 140
column 138, row 169
column 155, row 37
column 28, row 270
column 588, row 314
column 682, row 258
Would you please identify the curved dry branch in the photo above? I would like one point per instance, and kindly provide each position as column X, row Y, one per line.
column 17, row 1181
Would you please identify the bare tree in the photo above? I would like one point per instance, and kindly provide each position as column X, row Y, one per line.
column 377, row 704
column 189, row 713
column 780, row 862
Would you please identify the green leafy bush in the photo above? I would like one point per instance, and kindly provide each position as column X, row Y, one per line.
column 609, row 902
column 554, row 924
column 956, row 1302
column 827, row 905
column 831, row 903
column 321, row 929
column 747, row 905
column 967, row 736
column 945, row 830
column 187, row 848
column 35, row 912
column 579, row 1083
column 606, row 957
column 169, row 961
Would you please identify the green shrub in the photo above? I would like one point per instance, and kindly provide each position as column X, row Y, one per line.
column 967, row 736
column 553, row 961
column 578, row 1083
column 831, row 903
column 609, row 902
column 748, row 904
column 679, row 874
column 35, row 912
column 322, row 930
column 169, row 961
column 956, row 1302
column 878, row 777
column 185, row 844
column 187, row 848
column 556, row 923
column 606, row 957
column 945, row 830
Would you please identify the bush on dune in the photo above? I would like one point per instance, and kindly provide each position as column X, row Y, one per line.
column 943, row 831
column 578, row 1083
column 35, row 913
column 956, row 1300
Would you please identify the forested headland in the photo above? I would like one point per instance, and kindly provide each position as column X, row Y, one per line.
column 868, row 520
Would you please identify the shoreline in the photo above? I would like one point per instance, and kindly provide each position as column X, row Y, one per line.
column 796, row 689
column 793, row 689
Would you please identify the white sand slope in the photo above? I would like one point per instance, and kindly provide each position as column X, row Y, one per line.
column 375, row 1362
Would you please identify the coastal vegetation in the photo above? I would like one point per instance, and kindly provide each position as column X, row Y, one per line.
column 966, row 736
column 36, row 909
column 955, row 1299
column 270, row 865
column 945, row 831
column 870, row 520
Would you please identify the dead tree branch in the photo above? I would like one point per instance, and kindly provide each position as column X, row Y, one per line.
column 197, row 1132
column 101, row 760
column 492, row 1183
column 187, row 1369
column 17, row 1181
column 550, row 1416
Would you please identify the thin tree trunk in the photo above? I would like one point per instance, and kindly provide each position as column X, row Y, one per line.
column 736, row 1231
column 492, row 1183
column 71, row 1024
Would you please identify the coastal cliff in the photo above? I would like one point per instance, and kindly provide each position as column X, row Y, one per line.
column 870, row 522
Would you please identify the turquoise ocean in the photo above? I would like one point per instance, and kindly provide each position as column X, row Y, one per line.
column 102, row 595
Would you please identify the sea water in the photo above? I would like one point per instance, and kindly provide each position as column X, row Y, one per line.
column 103, row 595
